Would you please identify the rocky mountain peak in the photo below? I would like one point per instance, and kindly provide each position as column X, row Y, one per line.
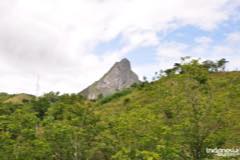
column 124, row 62
column 119, row 77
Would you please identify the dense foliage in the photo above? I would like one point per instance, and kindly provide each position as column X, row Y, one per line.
column 187, row 109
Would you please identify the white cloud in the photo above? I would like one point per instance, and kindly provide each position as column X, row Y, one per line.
column 171, row 52
column 55, row 38
column 204, row 40
column 171, row 49
column 233, row 38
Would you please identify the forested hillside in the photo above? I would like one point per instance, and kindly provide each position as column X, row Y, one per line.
column 186, row 109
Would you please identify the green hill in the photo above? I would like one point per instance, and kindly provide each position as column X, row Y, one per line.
column 185, row 111
column 19, row 98
column 190, row 116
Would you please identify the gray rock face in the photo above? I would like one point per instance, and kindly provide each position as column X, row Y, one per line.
column 119, row 77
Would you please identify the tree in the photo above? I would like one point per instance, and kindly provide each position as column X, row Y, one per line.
column 19, row 140
column 202, row 122
column 210, row 65
column 42, row 104
column 221, row 64
column 144, row 79
column 215, row 66
column 73, row 135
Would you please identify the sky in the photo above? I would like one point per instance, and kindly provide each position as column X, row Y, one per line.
column 65, row 45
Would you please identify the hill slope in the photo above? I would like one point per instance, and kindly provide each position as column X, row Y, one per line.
column 19, row 98
column 191, row 116
column 155, row 92
column 176, row 117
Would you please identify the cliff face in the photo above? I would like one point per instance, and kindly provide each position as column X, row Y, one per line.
column 120, row 76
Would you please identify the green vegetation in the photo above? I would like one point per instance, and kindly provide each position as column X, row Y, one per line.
column 187, row 109
column 103, row 100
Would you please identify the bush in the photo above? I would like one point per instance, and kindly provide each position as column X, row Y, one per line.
column 114, row 96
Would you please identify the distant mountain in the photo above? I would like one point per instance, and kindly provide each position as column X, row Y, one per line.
column 19, row 98
column 119, row 77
